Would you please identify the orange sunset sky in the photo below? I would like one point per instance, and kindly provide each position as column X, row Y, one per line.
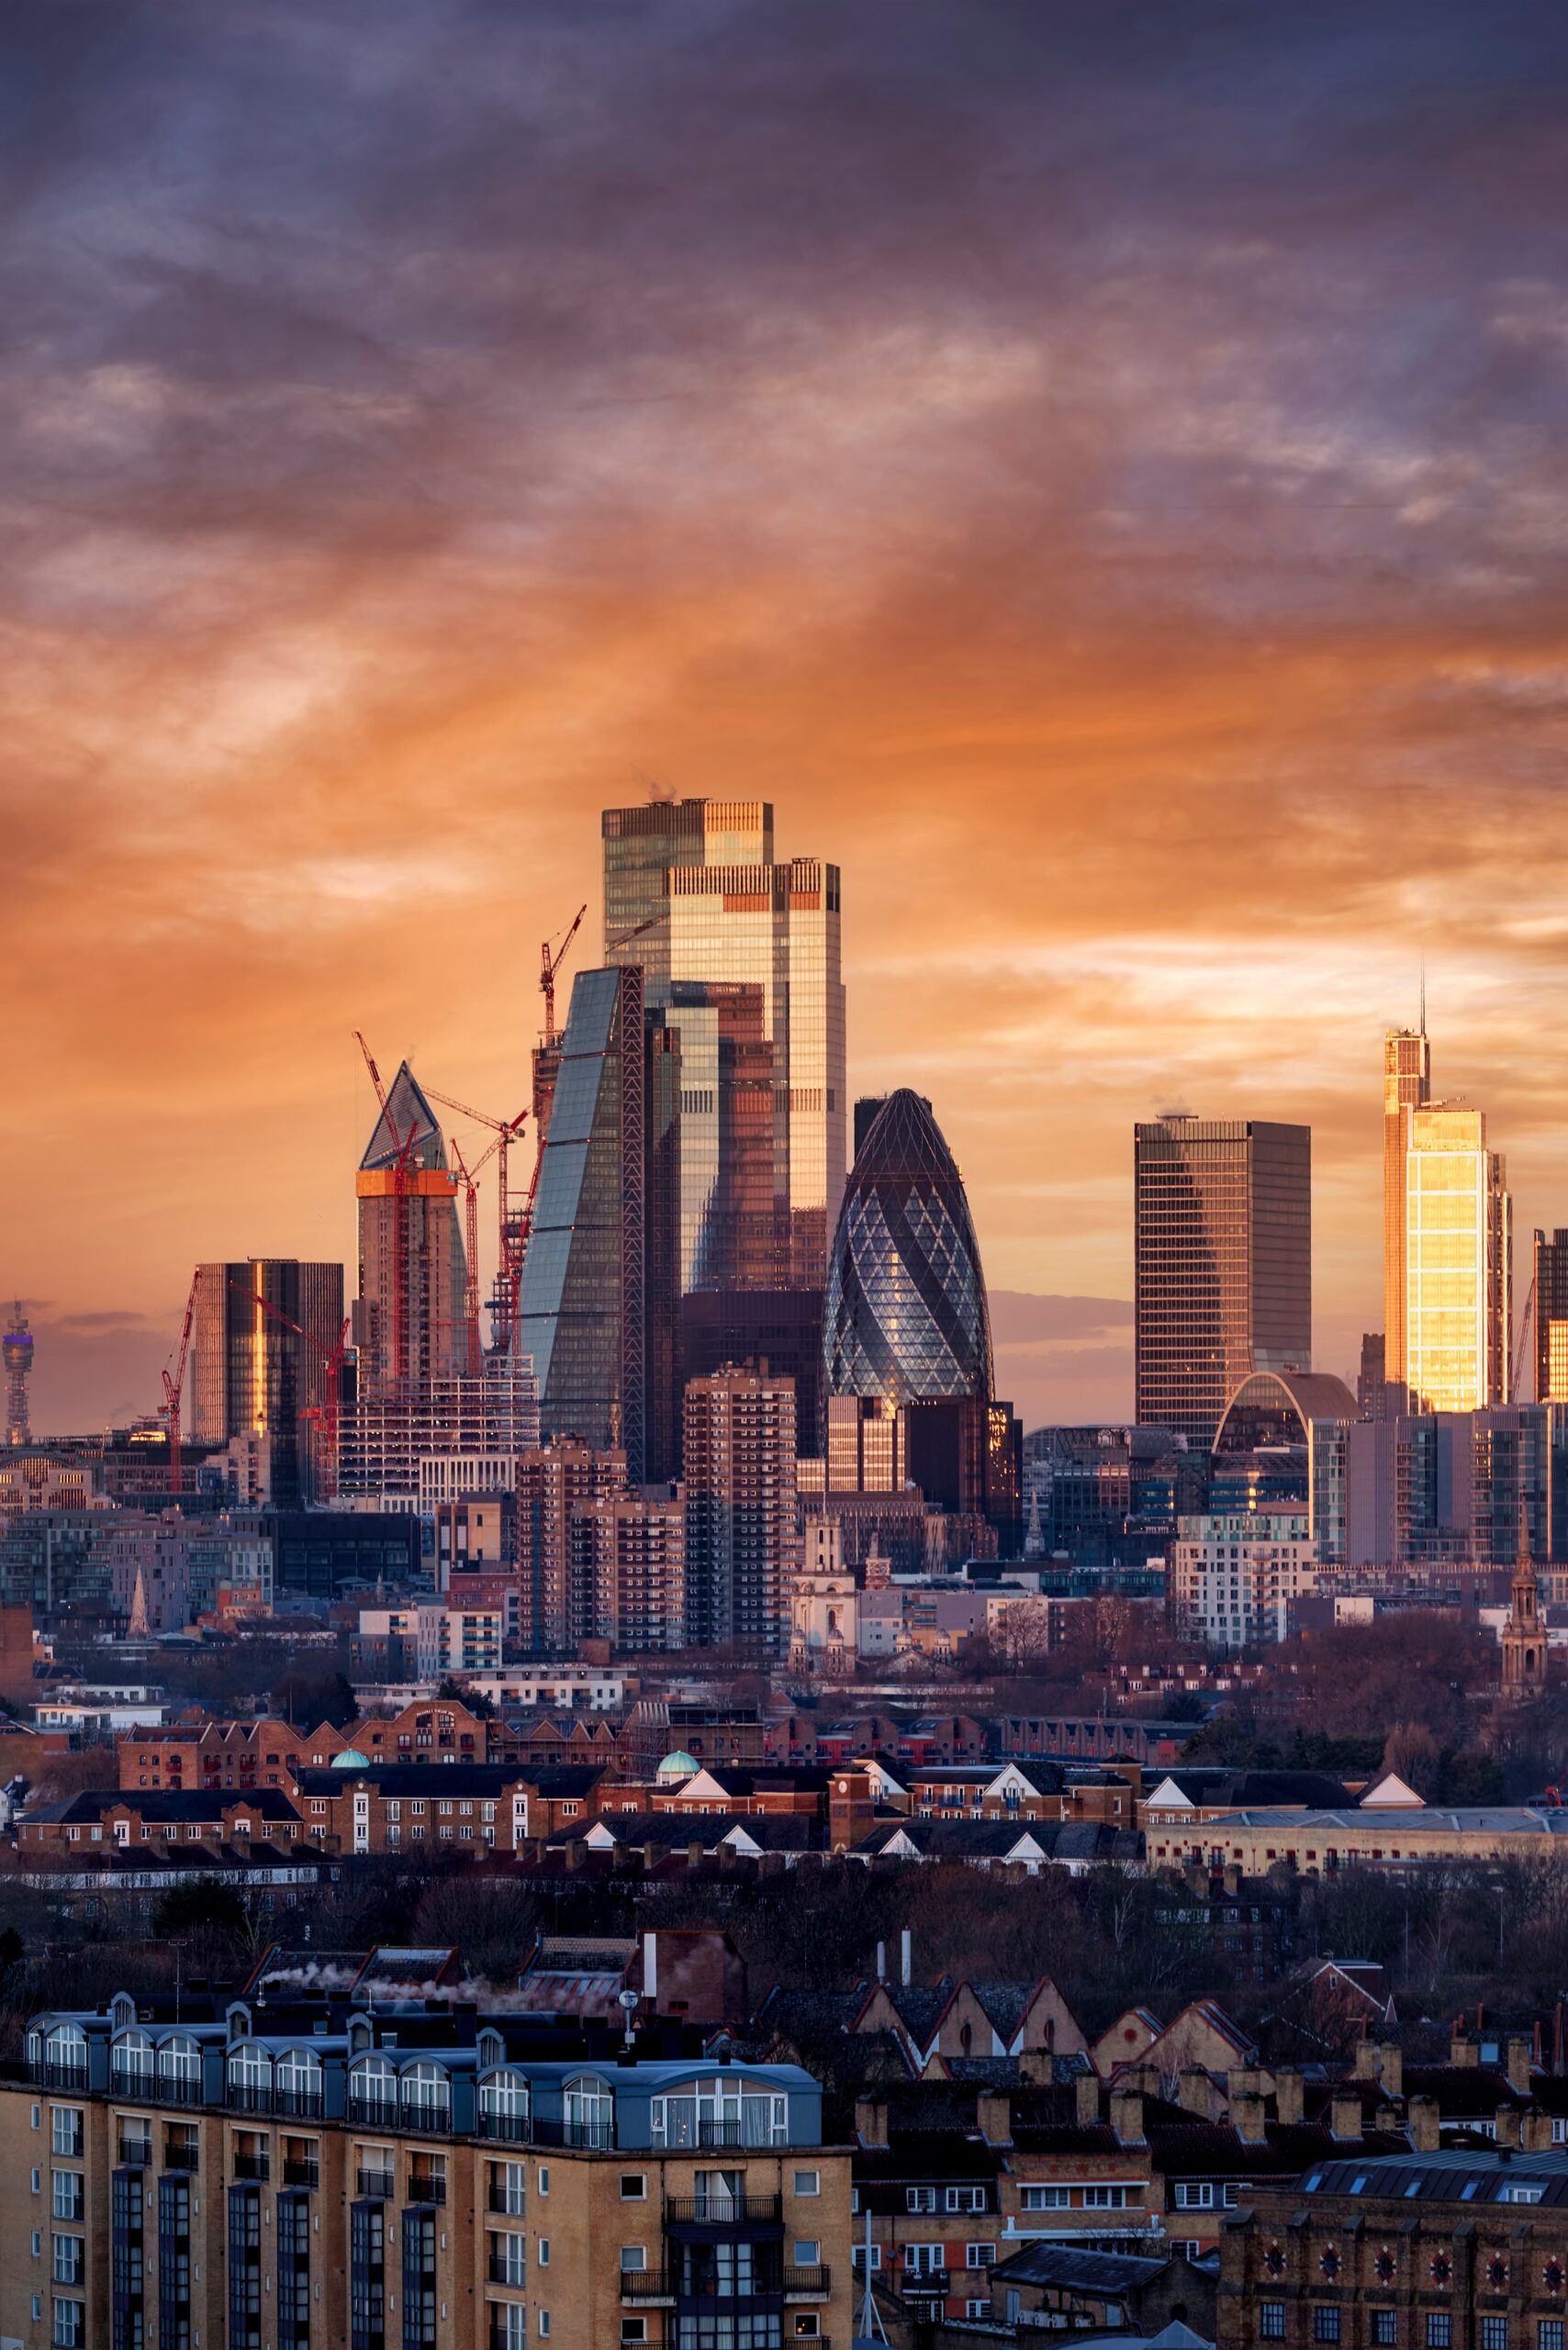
column 1098, row 469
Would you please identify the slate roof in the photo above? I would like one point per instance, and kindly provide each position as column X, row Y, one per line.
column 200, row 1806
column 1081, row 2272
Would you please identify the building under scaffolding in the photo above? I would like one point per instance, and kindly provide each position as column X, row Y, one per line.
column 385, row 1438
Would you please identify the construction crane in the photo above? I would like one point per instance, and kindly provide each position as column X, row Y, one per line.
column 1521, row 1352
column 324, row 1415
column 174, row 1390
column 509, row 1267
column 470, row 1178
column 550, row 961
column 401, row 1189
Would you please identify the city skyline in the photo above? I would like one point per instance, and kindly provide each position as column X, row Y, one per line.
column 1056, row 494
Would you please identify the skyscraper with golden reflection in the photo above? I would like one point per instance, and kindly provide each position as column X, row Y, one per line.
column 1458, row 1264
column 1406, row 1086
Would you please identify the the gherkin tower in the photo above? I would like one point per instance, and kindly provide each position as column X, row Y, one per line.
column 906, row 1313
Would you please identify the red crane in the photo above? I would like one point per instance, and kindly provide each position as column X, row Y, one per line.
column 509, row 1270
column 324, row 1415
column 173, row 1389
column 401, row 1190
column 550, row 961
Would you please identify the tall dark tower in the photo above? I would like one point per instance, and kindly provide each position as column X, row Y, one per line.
column 18, row 1349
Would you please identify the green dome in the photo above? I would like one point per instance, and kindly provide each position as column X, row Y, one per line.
column 351, row 1759
column 677, row 1766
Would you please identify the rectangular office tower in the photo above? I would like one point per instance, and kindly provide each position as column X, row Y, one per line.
column 1222, row 1275
column 741, row 956
column 1458, row 1264
column 1551, row 1317
column 597, row 1305
column 1406, row 1087
column 263, row 1336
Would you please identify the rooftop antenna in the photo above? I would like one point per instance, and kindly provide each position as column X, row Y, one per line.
column 1423, row 1029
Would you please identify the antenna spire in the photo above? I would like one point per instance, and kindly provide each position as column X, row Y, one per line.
column 1423, row 995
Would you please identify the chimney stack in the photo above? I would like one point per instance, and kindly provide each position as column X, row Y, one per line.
column 871, row 2120
column 1126, row 2117
column 1197, row 2092
column 1507, row 2133
column 1421, row 2114
column 1086, row 2100
column 1391, row 2065
column 1289, row 2096
column 1366, row 2061
column 1535, row 2132
column 1246, row 2118
column 1463, row 2052
column 1345, row 2114
column 1520, row 2067
column 993, row 2114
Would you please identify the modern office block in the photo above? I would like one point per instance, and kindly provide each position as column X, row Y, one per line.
column 1222, row 1272
column 1551, row 1317
column 1458, row 1264
column 408, row 1323
column 263, row 1338
column 1406, row 1086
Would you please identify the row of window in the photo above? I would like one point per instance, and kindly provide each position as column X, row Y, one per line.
column 1327, row 2318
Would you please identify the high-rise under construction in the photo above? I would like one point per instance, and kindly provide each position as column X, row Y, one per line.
column 408, row 1321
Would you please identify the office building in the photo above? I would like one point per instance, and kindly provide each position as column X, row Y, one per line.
column 740, row 954
column 408, row 1322
column 291, row 2173
column 1234, row 1579
column 1458, row 1264
column 1551, row 1317
column 263, row 1337
column 391, row 1444
column 17, row 1349
column 777, row 1330
column 742, row 1544
column 905, row 1315
column 1406, row 1086
column 1371, row 1378
column 1283, row 1444
column 598, row 1309
column 1473, row 1489
column 867, row 1446
column 1222, row 1272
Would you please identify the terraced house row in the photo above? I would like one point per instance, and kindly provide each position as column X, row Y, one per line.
column 305, row 2174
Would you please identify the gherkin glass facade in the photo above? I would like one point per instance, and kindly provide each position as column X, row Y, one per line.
column 905, row 1315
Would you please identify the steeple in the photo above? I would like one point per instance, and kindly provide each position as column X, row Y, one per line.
column 1524, row 1634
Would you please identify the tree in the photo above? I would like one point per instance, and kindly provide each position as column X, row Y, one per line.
column 305, row 1698
column 479, row 1702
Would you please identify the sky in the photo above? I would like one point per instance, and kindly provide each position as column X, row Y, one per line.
column 1097, row 467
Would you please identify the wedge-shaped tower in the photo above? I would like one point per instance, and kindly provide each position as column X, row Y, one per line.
column 409, row 1320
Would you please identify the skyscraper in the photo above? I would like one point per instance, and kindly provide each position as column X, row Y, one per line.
column 742, row 1543
column 1222, row 1272
column 905, row 1316
column 1406, row 1086
column 262, row 1337
column 741, row 956
column 17, row 1347
column 597, row 1310
column 408, row 1322
column 1551, row 1317
column 1458, row 1264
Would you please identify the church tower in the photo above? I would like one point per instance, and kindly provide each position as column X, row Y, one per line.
column 1524, row 1634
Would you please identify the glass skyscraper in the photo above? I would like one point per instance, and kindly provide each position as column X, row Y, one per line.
column 905, row 1316
column 262, row 1338
column 741, row 957
column 1458, row 1264
column 1222, row 1274
column 1406, row 1086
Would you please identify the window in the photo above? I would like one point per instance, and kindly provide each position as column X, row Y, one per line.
column 1046, row 2198
column 808, row 2182
column 509, row 2259
column 966, row 2199
column 1386, row 2328
column 808, row 2254
column 977, row 2309
column 543, row 2255
column 634, row 2186
column 67, row 2260
column 1272, row 2321
column 1105, row 2198
column 69, row 2194
column 979, row 2255
column 925, row 2259
column 1494, row 2333
column 1325, row 2323
column 1195, row 2195
column 37, row 2182
column 68, row 2130
column 1548, row 2334
column 633, row 2329
column 920, row 2199
column 1440, row 2329
column 858, row 2258
column 544, row 2324
column 508, row 2325
column 633, row 2259
column 70, row 2328
column 509, row 2188
column 544, row 2179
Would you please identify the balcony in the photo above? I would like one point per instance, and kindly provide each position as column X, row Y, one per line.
column 502, row 2271
column 249, row 2097
column 512, row 2127
column 304, row 2103
column 374, row 2185
column 427, row 2187
column 505, row 2204
column 373, row 2112
column 643, row 2286
column 134, row 2153
column 808, row 2285
column 724, row 2211
column 426, row 2120
column 55, row 2075
column 299, row 2173
column 181, row 2158
column 252, row 2167
column 176, row 2088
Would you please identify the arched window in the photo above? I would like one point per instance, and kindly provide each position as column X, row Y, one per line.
column 373, row 2092
column 65, row 2057
column 179, row 2069
column 299, row 2081
column 503, row 2106
column 251, row 2077
column 131, row 2064
column 426, row 2098
column 589, row 2112
column 726, row 2112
